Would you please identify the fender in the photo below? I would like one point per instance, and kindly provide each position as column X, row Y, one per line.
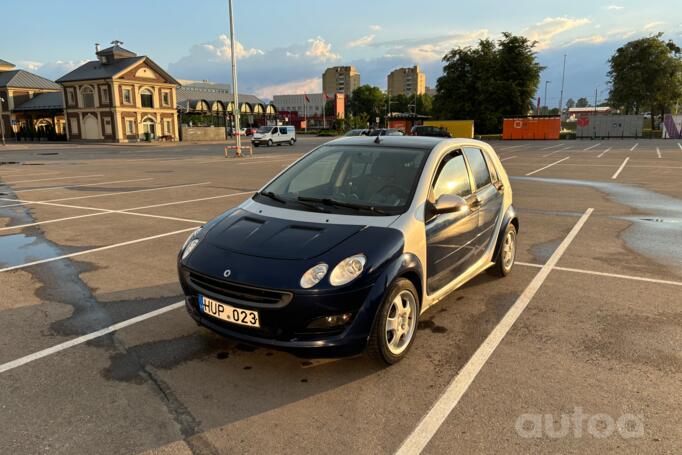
column 509, row 217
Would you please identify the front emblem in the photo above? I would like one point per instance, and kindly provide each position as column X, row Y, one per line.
column 227, row 273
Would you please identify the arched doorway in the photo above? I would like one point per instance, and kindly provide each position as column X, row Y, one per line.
column 149, row 126
column 90, row 127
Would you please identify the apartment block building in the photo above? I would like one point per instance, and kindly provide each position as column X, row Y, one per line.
column 406, row 81
column 340, row 79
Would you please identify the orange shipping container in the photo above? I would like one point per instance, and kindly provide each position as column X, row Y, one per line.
column 531, row 128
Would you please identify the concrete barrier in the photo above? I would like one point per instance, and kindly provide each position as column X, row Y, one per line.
column 203, row 133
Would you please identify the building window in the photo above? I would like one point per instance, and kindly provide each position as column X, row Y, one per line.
column 130, row 127
column 146, row 98
column 127, row 96
column 74, row 125
column 107, row 126
column 165, row 98
column 88, row 95
column 105, row 94
column 70, row 97
column 167, row 128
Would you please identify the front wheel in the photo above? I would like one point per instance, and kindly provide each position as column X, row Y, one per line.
column 396, row 323
column 269, row 142
column 505, row 258
column 255, row 144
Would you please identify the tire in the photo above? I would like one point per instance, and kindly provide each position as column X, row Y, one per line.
column 402, row 294
column 256, row 144
column 269, row 142
column 504, row 262
column 291, row 141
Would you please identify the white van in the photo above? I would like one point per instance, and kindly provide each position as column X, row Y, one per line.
column 269, row 135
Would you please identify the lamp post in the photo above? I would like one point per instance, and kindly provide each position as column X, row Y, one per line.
column 561, row 97
column 235, row 91
column 545, row 98
column 2, row 122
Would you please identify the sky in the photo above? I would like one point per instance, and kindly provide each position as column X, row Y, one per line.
column 283, row 46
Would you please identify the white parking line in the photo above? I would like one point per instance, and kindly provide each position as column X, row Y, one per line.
column 85, row 338
column 265, row 161
column 634, row 147
column 679, row 145
column 604, row 152
column 94, row 250
column 512, row 147
column 557, row 151
column 552, row 147
column 20, row 172
column 123, row 211
column 441, row 409
column 590, row 148
column 81, row 185
column 658, row 152
column 612, row 275
column 53, row 178
column 548, row 166
column 508, row 158
column 103, row 194
column 620, row 169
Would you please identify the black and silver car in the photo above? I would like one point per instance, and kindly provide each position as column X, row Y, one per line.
column 343, row 250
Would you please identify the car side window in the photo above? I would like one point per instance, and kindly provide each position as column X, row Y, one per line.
column 283, row 131
column 491, row 167
column 274, row 130
column 452, row 177
column 479, row 167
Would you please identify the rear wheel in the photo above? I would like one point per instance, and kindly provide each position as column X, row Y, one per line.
column 291, row 141
column 507, row 254
column 396, row 323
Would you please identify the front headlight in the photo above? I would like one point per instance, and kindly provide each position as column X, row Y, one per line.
column 314, row 275
column 190, row 244
column 348, row 270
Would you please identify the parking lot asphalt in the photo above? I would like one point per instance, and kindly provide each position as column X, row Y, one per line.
column 578, row 350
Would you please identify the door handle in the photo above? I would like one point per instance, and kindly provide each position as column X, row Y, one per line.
column 499, row 186
column 475, row 203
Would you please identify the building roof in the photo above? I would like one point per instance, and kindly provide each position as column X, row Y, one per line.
column 188, row 95
column 116, row 52
column 43, row 102
column 6, row 63
column 24, row 79
column 95, row 69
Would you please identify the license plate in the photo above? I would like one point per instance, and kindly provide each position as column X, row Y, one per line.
column 228, row 313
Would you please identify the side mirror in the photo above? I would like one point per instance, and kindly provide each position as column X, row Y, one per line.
column 449, row 203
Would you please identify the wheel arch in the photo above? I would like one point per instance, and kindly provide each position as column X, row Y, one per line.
column 509, row 218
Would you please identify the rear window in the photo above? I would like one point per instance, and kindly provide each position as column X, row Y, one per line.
column 479, row 167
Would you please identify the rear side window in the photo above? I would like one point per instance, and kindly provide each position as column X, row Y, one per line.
column 479, row 167
column 283, row 130
column 491, row 167
column 452, row 177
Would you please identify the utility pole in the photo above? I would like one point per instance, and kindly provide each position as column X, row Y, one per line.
column 595, row 99
column 545, row 99
column 561, row 97
column 235, row 91
column 2, row 122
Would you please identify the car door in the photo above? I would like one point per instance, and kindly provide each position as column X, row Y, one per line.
column 449, row 236
column 487, row 196
column 283, row 136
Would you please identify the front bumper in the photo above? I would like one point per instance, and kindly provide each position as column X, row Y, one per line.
column 285, row 325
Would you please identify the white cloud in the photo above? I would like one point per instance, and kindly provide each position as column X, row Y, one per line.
column 436, row 49
column 362, row 41
column 220, row 49
column 321, row 50
column 375, row 28
column 652, row 25
column 547, row 29
column 51, row 70
column 29, row 65
column 313, row 85
column 614, row 7
column 594, row 39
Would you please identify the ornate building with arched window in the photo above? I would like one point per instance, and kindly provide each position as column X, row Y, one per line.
column 120, row 97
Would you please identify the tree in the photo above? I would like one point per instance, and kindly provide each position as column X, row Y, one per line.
column 488, row 82
column 646, row 73
column 368, row 100
column 582, row 102
column 570, row 103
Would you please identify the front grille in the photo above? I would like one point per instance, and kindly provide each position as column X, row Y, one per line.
column 238, row 293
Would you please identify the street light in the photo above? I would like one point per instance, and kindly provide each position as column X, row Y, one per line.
column 545, row 99
column 2, row 122
column 235, row 92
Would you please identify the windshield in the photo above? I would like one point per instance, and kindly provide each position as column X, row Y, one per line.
column 264, row 129
column 380, row 180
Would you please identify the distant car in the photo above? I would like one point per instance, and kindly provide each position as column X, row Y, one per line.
column 360, row 132
column 346, row 248
column 431, row 131
column 385, row 132
column 270, row 135
column 250, row 131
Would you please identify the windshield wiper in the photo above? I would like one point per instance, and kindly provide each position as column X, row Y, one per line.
column 334, row 202
column 272, row 196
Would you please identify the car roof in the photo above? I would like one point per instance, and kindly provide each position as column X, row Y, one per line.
column 421, row 142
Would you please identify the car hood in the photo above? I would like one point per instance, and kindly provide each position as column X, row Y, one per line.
column 256, row 235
